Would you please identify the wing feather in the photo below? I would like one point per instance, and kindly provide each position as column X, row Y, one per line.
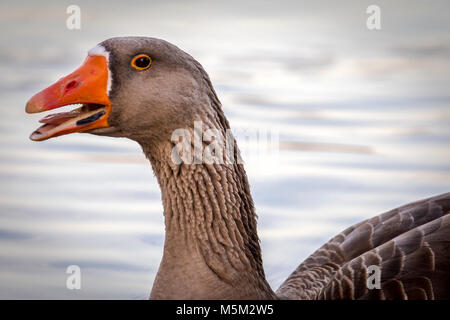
column 410, row 245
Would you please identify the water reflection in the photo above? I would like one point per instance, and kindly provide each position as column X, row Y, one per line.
column 363, row 119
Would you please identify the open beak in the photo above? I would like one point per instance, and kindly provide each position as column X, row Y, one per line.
column 86, row 86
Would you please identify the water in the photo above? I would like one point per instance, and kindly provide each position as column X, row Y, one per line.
column 363, row 120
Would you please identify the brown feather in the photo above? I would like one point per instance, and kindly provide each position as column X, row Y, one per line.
column 410, row 245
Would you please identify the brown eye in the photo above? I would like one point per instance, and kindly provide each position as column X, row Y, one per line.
column 141, row 62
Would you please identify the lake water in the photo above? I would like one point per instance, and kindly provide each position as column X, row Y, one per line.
column 362, row 116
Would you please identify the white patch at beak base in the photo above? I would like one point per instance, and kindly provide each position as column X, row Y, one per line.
column 99, row 50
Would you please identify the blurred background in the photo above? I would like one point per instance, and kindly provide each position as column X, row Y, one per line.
column 362, row 115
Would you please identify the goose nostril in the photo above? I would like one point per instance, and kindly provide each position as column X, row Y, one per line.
column 72, row 84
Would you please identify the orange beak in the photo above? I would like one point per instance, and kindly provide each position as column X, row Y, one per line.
column 87, row 86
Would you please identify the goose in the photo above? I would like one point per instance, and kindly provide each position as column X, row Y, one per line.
column 144, row 89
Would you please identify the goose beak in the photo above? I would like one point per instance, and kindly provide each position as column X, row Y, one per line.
column 86, row 86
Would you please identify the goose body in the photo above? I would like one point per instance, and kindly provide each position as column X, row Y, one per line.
column 144, row 89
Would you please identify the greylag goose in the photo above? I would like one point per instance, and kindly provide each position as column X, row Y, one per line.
column 144, row 89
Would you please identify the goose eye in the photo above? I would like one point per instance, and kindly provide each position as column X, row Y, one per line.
column 141, row 62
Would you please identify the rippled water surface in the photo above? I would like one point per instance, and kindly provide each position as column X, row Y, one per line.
column 362, row 116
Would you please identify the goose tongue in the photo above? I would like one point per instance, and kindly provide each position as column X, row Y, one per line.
column 58, row 118
column 64, row 121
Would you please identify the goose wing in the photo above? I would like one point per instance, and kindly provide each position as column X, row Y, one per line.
column 409, row 245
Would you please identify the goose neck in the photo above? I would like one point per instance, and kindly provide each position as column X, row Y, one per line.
column 211, row 248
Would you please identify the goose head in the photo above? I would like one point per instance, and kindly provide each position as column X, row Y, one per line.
column 144, row 89
column 133, row 87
